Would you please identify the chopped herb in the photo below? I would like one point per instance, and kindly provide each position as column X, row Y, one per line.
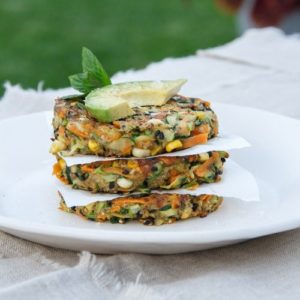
column 68, row 173
column 80, row 105
column 114, row 220
column 144, row 191
column 124, row 211
column 64, row 122
column 166, row 207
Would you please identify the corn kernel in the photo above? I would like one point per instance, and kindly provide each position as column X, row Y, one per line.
column 62, row 163
column 93, row 146
column 132, row 164
column 173, row 145
column 186, row 213
column 204, row 157
column 57, row 146
column 200, row 115
column 157, row 149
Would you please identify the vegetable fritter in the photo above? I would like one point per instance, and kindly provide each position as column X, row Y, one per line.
column 181, row 123
column 143, row 175
column 154, row 209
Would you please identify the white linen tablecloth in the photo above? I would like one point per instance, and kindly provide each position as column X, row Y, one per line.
column 260, row 69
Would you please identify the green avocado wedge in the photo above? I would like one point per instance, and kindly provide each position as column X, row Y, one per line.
column 115, row 101
column 108, row 110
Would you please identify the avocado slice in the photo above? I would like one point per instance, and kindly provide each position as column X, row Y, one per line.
column 115, row 101
column 108, row 111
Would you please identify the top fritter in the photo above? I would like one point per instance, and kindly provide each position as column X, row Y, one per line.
column 181, row 123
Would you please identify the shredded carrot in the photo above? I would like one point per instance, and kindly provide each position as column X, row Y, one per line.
column 117, row 124
column 195, row 131
column 74, row 129
column 167, row 160
column 194, row 140
column 107, row 133
column 115, row 208
column 126, row 150
column 124, row 201
column 173, row 173
column 205, row 197
column 204, row 128
column 61, row 113
column 61, row 130
column 175, row 203
column 57, row 173
column 173, row 178
column 202, row 169
column 113, row 170
column 56, row 169
column 87, row 169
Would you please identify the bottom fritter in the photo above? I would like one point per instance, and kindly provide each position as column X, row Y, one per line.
column 154, row 209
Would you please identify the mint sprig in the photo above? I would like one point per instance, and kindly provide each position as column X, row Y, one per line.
column 93, row 75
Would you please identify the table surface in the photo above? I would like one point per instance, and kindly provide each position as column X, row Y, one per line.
column 261, row 69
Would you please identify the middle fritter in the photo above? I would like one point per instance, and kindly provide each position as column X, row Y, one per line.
column 143, row 175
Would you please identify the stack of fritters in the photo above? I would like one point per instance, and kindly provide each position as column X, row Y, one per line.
column 136, row 169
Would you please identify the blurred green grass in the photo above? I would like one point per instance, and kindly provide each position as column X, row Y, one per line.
column 42, row 39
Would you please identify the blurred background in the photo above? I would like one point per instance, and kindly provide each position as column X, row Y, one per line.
column 41, row 40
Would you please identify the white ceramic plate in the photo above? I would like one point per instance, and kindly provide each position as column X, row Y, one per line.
column 28, row 202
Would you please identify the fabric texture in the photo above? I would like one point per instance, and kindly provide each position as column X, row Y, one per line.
column 267, row 267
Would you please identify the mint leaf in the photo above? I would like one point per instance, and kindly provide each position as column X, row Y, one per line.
column 80, row 82
column 93, row 76
column 92, row 66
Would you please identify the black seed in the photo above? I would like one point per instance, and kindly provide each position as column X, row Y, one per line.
column 73, row 208
column 194, row 206
column 154, row 169
column 125, row 171
column 149, row 221
column 82, row 176
column 209, row 153
column 219, row 172
column 159, row 135
column 223, row 159
column 111, row 185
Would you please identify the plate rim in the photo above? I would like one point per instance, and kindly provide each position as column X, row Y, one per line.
column 102, row 235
